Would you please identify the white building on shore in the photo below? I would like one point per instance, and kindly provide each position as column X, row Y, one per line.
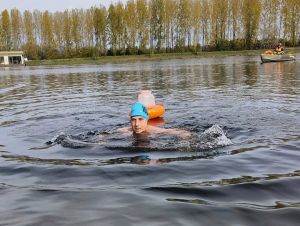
column 12, row 58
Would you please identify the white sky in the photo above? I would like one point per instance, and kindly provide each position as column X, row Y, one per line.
column 53, row 5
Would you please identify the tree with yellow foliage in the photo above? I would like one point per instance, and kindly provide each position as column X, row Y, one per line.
column 251, row 10
column 5, row 34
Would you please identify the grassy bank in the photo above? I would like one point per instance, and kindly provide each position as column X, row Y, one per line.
column 161, row 56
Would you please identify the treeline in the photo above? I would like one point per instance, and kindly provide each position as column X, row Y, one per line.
column 151, row 26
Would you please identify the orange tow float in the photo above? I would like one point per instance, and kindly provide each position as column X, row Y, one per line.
column 268, row 52
column 146, row 98
column 156, row 111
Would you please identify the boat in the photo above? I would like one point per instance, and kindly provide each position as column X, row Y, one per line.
column 268, row 56
column 12, row 58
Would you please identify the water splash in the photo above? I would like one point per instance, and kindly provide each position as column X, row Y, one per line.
column 213, row 137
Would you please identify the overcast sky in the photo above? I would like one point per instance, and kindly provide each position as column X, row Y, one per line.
column 53, row 5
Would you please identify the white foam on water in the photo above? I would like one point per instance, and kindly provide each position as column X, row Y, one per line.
column 214, row 137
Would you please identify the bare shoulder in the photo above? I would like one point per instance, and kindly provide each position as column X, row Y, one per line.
column 178, row 132
column 124, row 130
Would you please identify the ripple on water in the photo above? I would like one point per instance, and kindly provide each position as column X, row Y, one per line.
column 163, row 181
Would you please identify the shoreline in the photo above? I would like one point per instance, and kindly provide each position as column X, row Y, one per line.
column 147, row 57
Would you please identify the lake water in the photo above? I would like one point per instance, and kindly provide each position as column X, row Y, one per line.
column 253, row 181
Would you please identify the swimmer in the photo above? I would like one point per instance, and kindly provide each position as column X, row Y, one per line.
column 139, row 124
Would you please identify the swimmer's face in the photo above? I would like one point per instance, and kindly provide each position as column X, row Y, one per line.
column 138, row 124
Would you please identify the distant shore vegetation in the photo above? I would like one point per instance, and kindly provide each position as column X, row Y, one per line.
column 141, row 27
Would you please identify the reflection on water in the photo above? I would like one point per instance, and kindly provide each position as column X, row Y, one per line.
column 32, row 160
column 159, row 79
column 141, row 140
column 285, row 76
column 122, row 179
column 250, row 74
column 277, row 204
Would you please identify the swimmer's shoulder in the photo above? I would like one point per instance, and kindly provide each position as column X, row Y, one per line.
column 124, row 130
column 155, row 129
column 178, row 132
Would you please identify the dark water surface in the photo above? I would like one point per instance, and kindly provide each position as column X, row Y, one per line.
column 254, row 181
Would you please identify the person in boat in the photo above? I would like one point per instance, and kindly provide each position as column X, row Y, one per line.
column 279, row 49
column 139, row 124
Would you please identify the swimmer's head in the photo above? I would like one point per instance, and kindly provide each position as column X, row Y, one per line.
column 139, row 109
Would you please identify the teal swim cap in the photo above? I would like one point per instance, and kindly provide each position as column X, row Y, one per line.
column 139, row 109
